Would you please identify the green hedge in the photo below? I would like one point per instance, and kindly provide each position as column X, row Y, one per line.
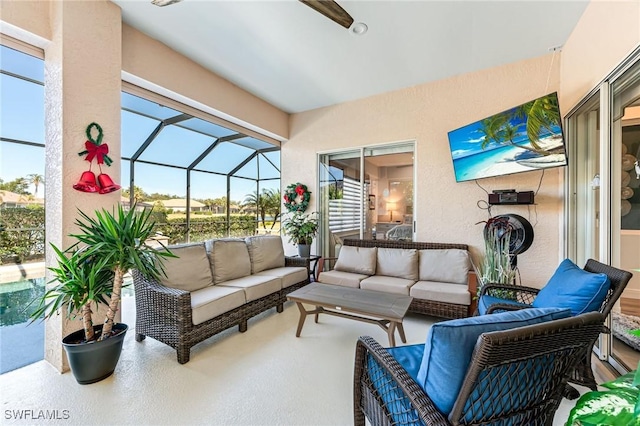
column 22, row 235
column 203, row 228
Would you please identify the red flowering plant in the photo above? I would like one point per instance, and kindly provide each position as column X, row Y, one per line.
column 296, row 197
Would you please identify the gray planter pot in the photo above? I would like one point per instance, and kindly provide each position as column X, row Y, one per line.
column 304, row 250
column 92, row 362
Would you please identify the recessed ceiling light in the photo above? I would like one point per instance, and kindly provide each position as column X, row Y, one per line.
column 359, row 28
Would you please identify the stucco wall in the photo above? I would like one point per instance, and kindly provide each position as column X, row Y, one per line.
column 445, row 211
column 154, row 62
column 606, row 33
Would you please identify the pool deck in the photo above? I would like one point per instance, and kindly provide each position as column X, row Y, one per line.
column 21, row 271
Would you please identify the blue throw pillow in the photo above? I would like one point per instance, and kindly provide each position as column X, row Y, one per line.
column 574, row 288
column 450, row 344
column 486, row 301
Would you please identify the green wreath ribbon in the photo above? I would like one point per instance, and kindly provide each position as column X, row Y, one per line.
column 296, row 197
column 95, row 148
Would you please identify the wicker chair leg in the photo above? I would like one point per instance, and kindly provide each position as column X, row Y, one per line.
column 183, row 355
column 570, row 392
column 280, row 307
column 242, row 327
column 140, row 337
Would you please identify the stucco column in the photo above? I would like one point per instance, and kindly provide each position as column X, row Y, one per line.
column 82, row 85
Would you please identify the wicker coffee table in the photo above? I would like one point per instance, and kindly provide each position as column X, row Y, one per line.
column 385, row 309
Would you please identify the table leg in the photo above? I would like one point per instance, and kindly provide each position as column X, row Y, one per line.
column 303, row 316
column 391, row 333
column 318, row 310
column 401, row 332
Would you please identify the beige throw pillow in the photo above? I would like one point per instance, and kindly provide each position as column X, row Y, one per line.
column 359, row 260
column 230, row 259
column 446, row 266
column 190, row 270
column 399, row 263
column 266, row 252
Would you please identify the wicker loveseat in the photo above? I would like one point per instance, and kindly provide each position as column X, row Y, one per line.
column 508, row 369
column 436, row 275
column 213, row 286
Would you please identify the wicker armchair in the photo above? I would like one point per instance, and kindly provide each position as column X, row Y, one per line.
column 515, row 377
column 524, row 296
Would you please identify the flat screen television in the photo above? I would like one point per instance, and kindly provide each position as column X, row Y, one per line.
column 522, row 139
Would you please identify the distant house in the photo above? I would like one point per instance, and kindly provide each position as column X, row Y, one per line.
column 10, row 199
column 140, row 205
column 180, row 205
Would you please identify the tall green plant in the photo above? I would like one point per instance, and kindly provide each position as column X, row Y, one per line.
column 112, row 243
column 496, row 266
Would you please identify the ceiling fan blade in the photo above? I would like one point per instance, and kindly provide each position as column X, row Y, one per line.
column 331, row 10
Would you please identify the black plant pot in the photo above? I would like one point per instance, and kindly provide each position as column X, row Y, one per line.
column 92, row 362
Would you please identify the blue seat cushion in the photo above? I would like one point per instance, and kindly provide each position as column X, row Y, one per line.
column 450, row 344
column 485, row 301
column 397, row 404
column 574, row 288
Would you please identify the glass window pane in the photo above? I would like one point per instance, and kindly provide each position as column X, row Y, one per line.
column 159, row 180
column 18, row 161
column 21, row 64
column 176, row 146
column 152, row 109
column 253, row 143
column 224, row 158
column 210, row 189
column 206, row 127
column 135, row 130
column 267, row 169
column 274, row 158
column 22, row 109
column 249, row 170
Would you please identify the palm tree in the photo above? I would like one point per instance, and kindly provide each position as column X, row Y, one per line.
column 36, row 180
column 266, row 202
column 273, row 204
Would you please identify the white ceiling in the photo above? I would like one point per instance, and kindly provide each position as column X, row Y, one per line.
column 296, row 59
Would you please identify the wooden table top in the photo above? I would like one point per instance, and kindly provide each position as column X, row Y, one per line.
column 366, row 302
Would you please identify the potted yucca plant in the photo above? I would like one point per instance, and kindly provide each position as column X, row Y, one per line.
column 91, row 272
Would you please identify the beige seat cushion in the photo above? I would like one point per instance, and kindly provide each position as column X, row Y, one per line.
column 229, row 259
column 441, row 292
column 190, row 271
column 387, row 284
column 256, row 286
column 401, row 263
column 345, row 279
column 265, row 252
column 358, row 260
column 444, row 265
column 290, row 275
column 210, row 302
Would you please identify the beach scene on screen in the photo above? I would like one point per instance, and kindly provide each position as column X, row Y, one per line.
column 525, row 138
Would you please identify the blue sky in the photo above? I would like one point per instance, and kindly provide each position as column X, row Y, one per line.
column 22, row 117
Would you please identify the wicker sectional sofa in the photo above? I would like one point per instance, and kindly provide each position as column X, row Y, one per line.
column 437, row 275
column 213, row 286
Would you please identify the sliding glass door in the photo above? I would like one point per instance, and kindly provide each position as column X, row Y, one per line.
column 603, row 202
column 366, row 193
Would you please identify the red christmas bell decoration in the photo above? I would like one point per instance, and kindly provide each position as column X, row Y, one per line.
column 106, row 184
column 87, row 182
column 97, row 150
